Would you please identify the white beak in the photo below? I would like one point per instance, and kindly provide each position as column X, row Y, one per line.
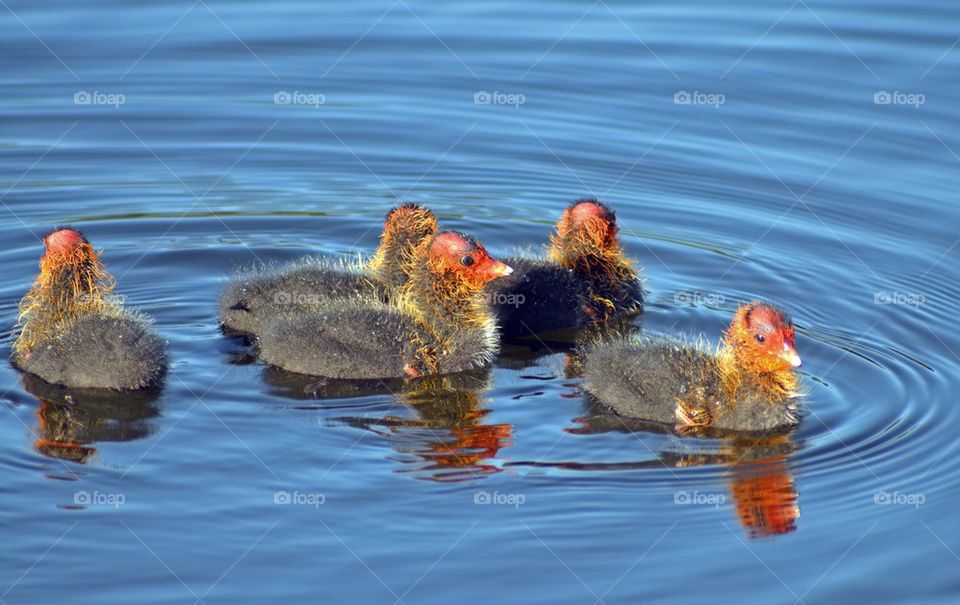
column 791, row 355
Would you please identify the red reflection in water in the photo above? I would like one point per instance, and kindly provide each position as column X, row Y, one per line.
column 57, row 431
column 766, row 501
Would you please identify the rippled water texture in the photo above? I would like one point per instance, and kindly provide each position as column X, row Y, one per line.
column 803, row 152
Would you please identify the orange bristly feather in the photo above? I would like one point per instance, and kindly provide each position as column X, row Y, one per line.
column 592, row 249
column 736, row 358
column 405, row 233
column 71, row 282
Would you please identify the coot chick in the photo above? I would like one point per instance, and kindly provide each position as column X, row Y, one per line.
column 584, row 278
column 749, row 384
column 440, row 322
column 252, row 298
column 73, row 333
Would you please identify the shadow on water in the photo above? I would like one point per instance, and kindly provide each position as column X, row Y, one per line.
column 440, row 432
column 70, row 422
column 759, row 480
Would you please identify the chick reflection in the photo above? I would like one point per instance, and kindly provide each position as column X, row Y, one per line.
column 71, row 421
column 765, row 497
column 758, row 475
column 446, row 441
column 761, row 484
column 458, row 445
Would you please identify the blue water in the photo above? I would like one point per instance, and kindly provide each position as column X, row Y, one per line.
column 783, row 178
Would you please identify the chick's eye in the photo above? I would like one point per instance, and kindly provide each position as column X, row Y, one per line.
column 467, row 261
column 761, row 338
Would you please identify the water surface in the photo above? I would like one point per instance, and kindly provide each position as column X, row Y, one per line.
column 787, row 176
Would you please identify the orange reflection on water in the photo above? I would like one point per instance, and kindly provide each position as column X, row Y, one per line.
column 55, row 435
column 766, row 501
column 468, row 450
column 70, row 422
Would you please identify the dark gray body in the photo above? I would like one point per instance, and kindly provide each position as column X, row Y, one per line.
column 253, row 299
column 541, row 296
column 338, row 343
column 359, row 341
column 110, row 351
column 644, row 378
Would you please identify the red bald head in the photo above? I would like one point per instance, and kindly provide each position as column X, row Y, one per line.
column 586, row 240
column 465, row 256
column 584, row 210
column 766, row 336
column 63, row 239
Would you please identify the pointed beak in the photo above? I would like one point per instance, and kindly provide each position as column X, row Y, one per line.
column 790, row 356
column 500, row 269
